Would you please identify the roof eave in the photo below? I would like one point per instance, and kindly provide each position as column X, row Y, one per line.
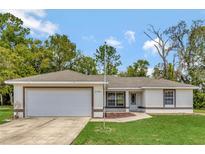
column 54, row 82
column 140, row 88
column 194, row 87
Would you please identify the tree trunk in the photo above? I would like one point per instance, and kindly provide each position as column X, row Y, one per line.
column 1, row 99
column 165, row 68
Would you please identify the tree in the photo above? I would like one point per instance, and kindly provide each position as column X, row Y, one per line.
column 183, row 37
column 138, row 69
column 12, row 31
column 190, row 46
column 7, row 71
column 41, row 57
column 113, row 59
column 63, row 51
column 158, row 71
column 162, row 45
column 84, row 64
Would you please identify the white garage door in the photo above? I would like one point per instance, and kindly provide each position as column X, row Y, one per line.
column 58, row 101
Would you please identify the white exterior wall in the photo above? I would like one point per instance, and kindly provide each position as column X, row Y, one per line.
column 127, row 100
column 184, row 98
column 98, row 101
column 18, row 101
column 153, row 98
column 97, row 97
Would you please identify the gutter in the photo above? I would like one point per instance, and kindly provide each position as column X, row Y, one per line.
column 142, row 88
column 170, row 87
column 53, row 82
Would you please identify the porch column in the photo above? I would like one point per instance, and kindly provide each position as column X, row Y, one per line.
column 127, row 100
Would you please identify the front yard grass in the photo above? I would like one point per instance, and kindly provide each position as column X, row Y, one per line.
column 6, row 113
column 160, row 129
column 199, row 111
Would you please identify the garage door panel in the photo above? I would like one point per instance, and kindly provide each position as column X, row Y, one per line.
column 58, row 101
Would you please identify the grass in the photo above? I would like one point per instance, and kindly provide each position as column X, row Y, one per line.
column 161, row 129
column 6, row 113
column 199, row 110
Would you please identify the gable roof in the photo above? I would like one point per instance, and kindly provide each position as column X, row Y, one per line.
column 143, row 82
column 67, row 75
column 114, row 82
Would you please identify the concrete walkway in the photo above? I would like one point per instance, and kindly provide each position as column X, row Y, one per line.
column 52, row 130
column 138, row 116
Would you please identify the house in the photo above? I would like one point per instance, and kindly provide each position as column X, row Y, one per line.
column 68, row 93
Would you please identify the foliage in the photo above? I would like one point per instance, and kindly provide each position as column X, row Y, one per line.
column 189, row 44
column 158, row 72
column 112, row 59
column 138, row 69
column 62, row 50
column 199, row 100
column 84, row 64
column 12, row 31
column 41, row 57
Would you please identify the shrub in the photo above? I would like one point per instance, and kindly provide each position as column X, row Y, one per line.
column 199, row 100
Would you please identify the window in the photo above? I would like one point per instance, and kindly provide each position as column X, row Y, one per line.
column 111, row 99
column 169, row 97
column 115, row 99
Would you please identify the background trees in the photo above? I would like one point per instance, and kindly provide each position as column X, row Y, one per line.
column 62, row 51
column 137, row 69
column 162, row 45
column 84, row 64
column 12, row 31
column 112, row 59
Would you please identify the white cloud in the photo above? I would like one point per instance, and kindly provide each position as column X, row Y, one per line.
column 112, row 41
column 130, row 36
column 35, row 20
column 149, row 46
column 150, row 71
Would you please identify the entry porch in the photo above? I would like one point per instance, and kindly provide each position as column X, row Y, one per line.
column 124, row 101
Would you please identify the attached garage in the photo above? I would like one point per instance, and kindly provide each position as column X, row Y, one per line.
column 58, row 101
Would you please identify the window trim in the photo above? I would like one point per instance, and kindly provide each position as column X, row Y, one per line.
column 174, row 98
column 115, row 92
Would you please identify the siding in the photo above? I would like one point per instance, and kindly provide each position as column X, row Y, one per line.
column 184, row 98
column 153, row 98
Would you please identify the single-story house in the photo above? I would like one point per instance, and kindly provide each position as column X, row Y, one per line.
column 68, row 93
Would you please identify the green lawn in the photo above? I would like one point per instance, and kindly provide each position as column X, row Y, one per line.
column 161, row 129
column 199, row 110
column 6, row 112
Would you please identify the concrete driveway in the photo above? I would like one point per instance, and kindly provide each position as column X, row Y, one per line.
column 60, row 130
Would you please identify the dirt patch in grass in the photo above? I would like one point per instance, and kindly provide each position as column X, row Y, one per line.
column 112, row 115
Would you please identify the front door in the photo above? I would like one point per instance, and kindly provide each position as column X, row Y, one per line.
column 133, row 102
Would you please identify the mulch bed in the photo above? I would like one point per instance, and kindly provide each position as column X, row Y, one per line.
column 112, row 115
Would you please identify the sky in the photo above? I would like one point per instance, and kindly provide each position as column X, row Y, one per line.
column 123, row 29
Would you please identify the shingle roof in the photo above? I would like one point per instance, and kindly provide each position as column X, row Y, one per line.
column 139, row 82
column 66, row 75
column 113, row 81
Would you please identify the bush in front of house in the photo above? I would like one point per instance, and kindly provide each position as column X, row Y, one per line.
column 199, row 100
